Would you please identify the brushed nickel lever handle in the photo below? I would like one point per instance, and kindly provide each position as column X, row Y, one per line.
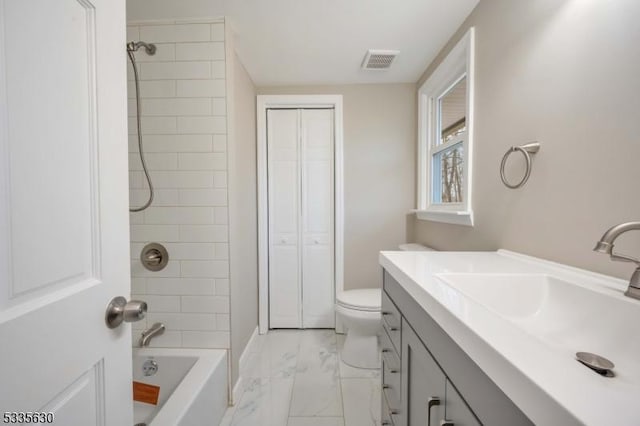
column 153, row 257
column 431, row 402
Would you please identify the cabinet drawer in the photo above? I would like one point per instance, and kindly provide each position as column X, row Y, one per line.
column 391, row 384
column 391, row 320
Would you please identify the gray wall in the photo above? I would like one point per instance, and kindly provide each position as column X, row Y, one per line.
column 242, row 212
column 379, row 169
column 564, row 73
column 173, row 9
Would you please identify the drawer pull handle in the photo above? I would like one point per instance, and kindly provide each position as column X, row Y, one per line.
column 446, row 423
column 393, row 328
column 387, row 313
column 431, row 402
column 386, row 423
column 386, row 350
column 394, row 412
column 385, row 386
column 393, row 370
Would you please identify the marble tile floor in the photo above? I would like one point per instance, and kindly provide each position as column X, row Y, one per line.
column 296, row 378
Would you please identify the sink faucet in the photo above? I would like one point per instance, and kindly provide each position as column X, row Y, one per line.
column 605, row 245
column 155, row 330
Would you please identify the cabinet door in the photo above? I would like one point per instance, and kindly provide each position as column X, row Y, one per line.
column 456, row 410
column 423, row 383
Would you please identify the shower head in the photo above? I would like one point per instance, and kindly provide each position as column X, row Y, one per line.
column 133, row 46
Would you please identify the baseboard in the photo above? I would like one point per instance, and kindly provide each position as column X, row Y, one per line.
column 238, row 388
column 237, row 392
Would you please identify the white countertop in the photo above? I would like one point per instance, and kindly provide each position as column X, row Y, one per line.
column 541, row 377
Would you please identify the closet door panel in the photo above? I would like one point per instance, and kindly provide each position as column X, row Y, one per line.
column 284, row 294
column 284, row 206
column 317, row 219
column 318, row 197
column 318, row 299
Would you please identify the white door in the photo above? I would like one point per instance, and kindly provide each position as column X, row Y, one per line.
column 318, row 288
column 63, row 210
column 285, row 292
column 300, row 170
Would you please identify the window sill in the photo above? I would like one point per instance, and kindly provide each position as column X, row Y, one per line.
column 454, row 217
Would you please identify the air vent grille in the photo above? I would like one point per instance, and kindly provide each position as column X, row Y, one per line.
column 379, row 59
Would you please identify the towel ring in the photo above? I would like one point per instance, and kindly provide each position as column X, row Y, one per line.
column 530, row 148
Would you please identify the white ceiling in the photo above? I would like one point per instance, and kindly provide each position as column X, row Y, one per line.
column 303, row 42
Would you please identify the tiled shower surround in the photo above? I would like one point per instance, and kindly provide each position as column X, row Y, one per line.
column 184, row 128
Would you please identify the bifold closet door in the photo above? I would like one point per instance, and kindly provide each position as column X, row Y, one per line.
column 283, row 169
column 317, row 218
column 301, row 218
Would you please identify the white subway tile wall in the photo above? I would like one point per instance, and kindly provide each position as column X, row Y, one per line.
column 184, row 124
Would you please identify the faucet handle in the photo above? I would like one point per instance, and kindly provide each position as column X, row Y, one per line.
column 624, row 258
column 155, row 328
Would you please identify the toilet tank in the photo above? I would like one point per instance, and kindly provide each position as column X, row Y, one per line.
column 414, row 247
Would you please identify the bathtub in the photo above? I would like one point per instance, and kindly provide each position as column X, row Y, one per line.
column 193, row 386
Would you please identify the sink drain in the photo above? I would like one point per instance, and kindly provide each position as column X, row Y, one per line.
column 597, row 363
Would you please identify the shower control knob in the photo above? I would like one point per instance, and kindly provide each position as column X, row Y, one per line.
column 154, row 257
column 119, row 311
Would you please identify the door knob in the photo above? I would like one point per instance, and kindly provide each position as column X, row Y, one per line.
column 119, row 310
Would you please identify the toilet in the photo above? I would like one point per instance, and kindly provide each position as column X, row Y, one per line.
column 359, row 312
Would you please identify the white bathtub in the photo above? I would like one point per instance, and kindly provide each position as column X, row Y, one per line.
column 193, row 386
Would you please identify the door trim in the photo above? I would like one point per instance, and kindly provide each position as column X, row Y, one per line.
column 263, row 103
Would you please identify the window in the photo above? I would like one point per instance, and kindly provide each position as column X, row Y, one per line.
column 445, row 144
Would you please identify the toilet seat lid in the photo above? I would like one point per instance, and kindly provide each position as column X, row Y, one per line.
column 365, row 299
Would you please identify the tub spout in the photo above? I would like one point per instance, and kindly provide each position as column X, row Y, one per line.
column 155, row 330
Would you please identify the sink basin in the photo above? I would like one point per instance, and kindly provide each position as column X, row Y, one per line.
column 515, row 295
column 559, row 312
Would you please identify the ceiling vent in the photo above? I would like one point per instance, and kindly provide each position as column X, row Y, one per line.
column 379, row 59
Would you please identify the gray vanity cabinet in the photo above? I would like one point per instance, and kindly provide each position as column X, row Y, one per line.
column 431, row 398
column 423, row 382
column 456, row 410
column 427, row 379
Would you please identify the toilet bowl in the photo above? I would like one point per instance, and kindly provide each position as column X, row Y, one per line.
column 359, row 312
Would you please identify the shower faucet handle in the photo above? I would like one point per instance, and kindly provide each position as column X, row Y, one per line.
column 153, row 257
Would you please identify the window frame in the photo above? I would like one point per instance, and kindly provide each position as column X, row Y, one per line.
column 458, row 64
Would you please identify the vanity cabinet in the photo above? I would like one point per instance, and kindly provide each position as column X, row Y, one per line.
column 427, row 379
column 431, row 395
column 390, row 339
